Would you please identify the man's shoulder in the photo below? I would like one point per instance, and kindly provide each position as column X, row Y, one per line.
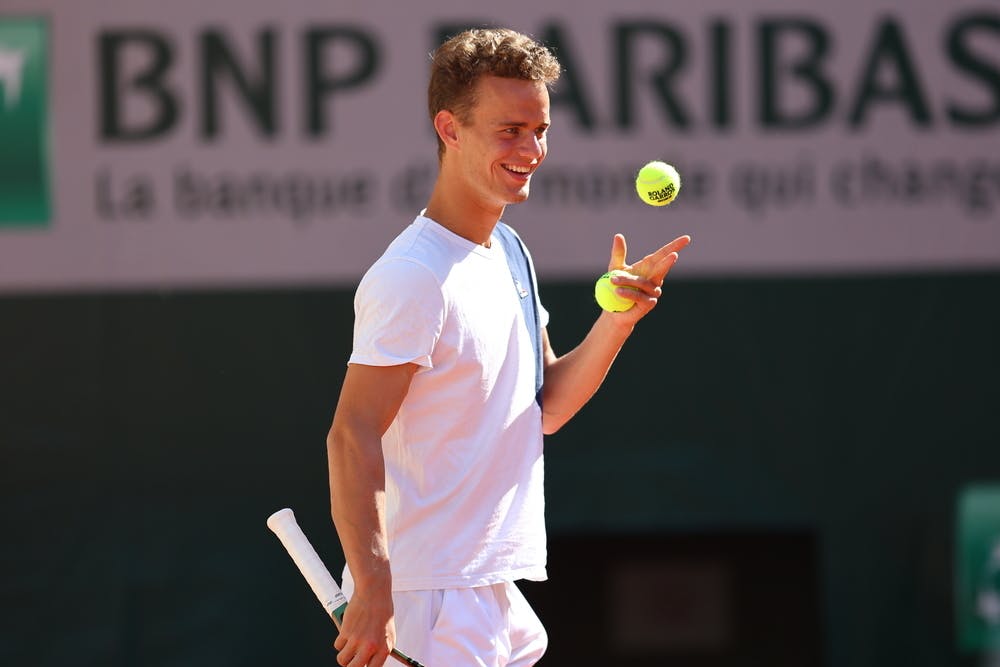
column 420, row 241
column 407, row 261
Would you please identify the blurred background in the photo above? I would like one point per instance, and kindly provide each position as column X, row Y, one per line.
column 794, row 461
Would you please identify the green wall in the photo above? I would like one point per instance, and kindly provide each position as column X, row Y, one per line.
column 145, row 437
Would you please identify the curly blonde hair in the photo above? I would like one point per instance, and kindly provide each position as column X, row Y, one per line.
column 457, row 65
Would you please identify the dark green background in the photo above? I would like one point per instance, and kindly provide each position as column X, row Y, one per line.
column 145, row 437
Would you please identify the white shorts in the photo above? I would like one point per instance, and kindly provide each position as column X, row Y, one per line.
column 487, row 626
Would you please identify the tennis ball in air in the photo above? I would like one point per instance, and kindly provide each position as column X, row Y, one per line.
column 604, row 292
column 657, row 183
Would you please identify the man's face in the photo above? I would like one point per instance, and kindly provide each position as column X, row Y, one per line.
column 505, row 139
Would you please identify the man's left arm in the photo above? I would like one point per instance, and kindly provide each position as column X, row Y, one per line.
column 571, row 379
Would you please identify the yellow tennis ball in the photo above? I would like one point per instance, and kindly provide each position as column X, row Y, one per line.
column 657, row 183
column 604, row 292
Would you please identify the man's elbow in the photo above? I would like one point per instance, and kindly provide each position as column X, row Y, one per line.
column 332, row 438
column 338, row 439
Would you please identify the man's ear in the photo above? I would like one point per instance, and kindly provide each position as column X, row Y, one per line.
column 446, row 126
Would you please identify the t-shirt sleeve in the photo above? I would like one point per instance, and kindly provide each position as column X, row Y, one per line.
column 398, row 315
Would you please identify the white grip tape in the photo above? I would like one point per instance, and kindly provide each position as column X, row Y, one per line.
column 283, row 524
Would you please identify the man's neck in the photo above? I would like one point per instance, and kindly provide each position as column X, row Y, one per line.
column 454, row 209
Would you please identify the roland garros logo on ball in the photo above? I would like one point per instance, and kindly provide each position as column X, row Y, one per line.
column 657, row 183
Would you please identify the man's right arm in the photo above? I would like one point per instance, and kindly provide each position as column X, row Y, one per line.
column 369, row 400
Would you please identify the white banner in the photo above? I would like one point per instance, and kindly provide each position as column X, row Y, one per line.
column 248, row 143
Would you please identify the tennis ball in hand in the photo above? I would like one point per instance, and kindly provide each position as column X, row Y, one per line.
column 657, row 183
column 604, row 292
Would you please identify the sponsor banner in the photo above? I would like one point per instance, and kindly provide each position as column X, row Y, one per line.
column 228, row 144
column 24, row 191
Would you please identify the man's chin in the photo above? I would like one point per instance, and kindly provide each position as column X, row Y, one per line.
column 519, row 196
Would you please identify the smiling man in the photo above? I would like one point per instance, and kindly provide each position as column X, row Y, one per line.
column 435, row 452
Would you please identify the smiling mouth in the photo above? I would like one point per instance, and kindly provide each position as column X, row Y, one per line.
column 518, row 170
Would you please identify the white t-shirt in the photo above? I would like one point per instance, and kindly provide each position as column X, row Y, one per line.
column 463, row 457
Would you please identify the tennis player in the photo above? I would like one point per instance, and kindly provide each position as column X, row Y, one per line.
column 435, row 452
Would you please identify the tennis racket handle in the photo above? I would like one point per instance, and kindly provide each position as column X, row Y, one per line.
column 283, row 524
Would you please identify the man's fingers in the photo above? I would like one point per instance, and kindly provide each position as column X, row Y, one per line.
column 674, row 247
column 360, row 654
column 663, row 267
column 366, row 659
column 679, row 243
column 619, row 251
column 652, row 264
